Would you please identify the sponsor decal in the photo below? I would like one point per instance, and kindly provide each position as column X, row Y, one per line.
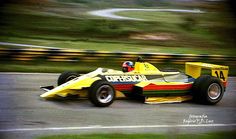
column 125, row 78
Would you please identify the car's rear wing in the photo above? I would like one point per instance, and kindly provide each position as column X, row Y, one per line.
column 194, row 69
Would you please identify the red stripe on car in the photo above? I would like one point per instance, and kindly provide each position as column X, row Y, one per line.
column 123, row 87
column 153, row 87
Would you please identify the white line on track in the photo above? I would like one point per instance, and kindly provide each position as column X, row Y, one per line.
column 27, row 45
column 110, row 13
column 115, row 127
column 25, row 73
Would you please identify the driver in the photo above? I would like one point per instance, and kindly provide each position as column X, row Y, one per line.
column 127, row 66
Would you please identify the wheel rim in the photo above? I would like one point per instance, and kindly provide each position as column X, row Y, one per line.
column 214, row 91
column 105, row 94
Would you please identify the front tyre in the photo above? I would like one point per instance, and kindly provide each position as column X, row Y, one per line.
column 207, row 90
column 101, row 93
column 66, row 76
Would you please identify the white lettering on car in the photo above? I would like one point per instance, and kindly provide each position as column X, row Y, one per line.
column 125, row 78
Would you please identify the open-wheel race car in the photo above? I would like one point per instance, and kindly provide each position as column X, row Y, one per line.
column 103, row 86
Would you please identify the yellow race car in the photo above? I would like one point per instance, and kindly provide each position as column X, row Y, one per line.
column 144, row 80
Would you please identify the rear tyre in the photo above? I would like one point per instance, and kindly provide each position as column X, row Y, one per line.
column 207, row 90
column 66, row 76
column 101, row 93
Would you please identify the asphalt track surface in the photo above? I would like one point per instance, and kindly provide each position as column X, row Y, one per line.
column 23, row 114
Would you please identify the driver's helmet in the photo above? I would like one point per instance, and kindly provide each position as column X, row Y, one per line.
column 127, row 66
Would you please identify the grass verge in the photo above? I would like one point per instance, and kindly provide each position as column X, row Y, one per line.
column 66, row 25
column 58, row 25
column 81, row 67
column 118, row 46
column 54, row 67
column 213, row 135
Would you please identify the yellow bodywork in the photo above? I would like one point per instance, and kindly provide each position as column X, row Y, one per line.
column 145, row 68
column 79, row 86
column 72, row 87
column 168, row 99
column 75, row 86
column 194, row 69
column 148, row 69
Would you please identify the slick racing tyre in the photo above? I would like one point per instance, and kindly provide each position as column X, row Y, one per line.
column 101, row 93
column 207, row 90
column 66, row 76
